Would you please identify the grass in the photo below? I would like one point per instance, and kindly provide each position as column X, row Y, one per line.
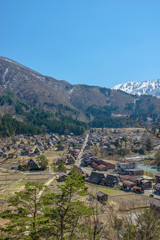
column 13, row 187
column 149, row 173
column 52, row 155
column 149, row 155
column 13, row 182
column 108, row 190
column 132, row 201
column 112, row 192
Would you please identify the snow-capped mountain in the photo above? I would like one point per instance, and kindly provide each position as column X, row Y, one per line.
column 80, row 101
column 141, row 88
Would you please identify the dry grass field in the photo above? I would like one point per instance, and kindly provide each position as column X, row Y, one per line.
column 130, row 201
column 53, row 155
column 11, row 182
column 18, row 160
column 40, row 177
column 93, row 188
column 123, row 201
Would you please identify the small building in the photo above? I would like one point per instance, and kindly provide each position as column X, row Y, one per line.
column 134, row 172
column 138, row 189
column 21, row 146
column 111, row 180
column 15, row 147
column 62, row 176
column 157, row 188
column 146, row 184
column 10, row 155
column 70, row 159
column 96, row 177
column 14, row 166
column 102, row 165
column 25, row 152
column 128, row 185
column 32, row 163
column 124, row 165
column 1, row 154
column 102, row 197
column 37, row 151
column 4, row 149
column 86, row 161
column 157, row 175
column 136, row 179
column 22, row 142
column 5, row 155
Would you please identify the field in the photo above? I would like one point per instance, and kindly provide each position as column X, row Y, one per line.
column 122, row 200
column 11, row 181
column 14, row 181
column 53, row 155
column 130, row 201
column 92, row 188
column 8, row 162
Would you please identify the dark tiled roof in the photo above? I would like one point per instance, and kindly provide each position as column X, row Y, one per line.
column 157, row 185
column 96, row 177
column 111, row 179
column 100, row 194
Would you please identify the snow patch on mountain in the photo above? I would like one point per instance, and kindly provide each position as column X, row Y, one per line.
column 69, row 93
column 4, row 75
column 141, row 88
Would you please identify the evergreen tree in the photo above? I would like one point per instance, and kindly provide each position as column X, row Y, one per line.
column 24, row 214
column 65, row 214
column 61, row 167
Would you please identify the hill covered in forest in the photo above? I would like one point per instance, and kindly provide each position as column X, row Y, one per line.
column 45, row 102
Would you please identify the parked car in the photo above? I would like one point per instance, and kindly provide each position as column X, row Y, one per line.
column 151, row 195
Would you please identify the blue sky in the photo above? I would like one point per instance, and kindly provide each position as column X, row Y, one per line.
column 94, row 42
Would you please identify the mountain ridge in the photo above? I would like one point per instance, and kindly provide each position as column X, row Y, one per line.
column 141, row 88
column 83, row 102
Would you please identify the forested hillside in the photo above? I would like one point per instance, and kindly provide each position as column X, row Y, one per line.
column 37, row 103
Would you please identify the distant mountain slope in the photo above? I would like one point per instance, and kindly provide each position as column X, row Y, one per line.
column 47, row 92
column 82, row 102
column 30, row 85
column 141, row 88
